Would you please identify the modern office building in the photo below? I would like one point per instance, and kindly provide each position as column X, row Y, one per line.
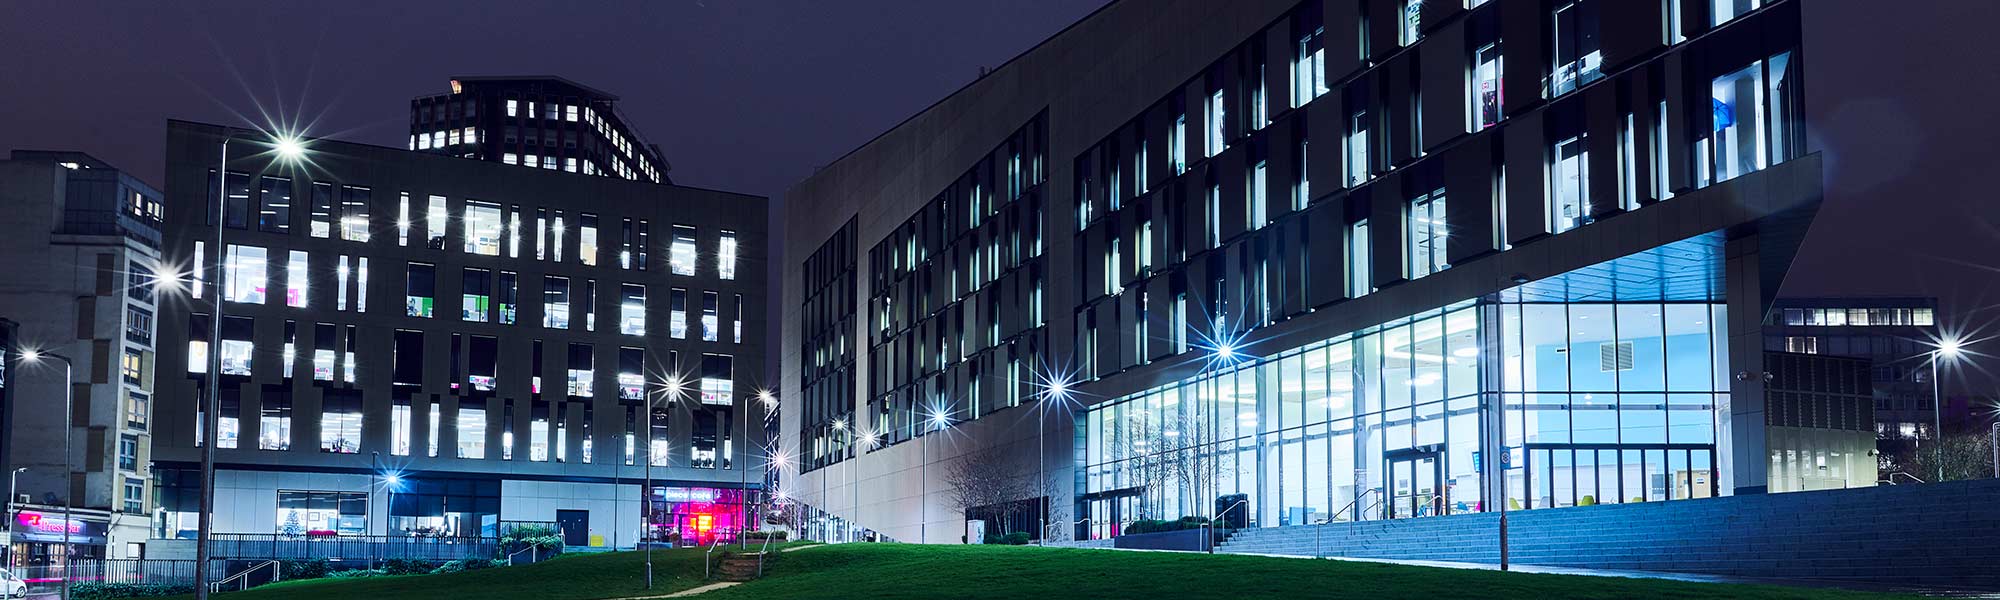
column 1894, row 334
column 1526, row 265
column 83, row 248
column 606, row 333
column 539, row 122
column 1820, row 413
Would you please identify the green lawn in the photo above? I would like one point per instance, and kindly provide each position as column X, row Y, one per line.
column 575, row 577
column 906, row 571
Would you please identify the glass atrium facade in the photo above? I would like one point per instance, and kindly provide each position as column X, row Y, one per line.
column 1598, row 396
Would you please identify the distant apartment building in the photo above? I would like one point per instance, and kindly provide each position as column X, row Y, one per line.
column 83, row 248
column 1895, row 336
column 413, row 345
column 538, row 122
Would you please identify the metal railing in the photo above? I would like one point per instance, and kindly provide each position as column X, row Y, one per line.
column 114, row 570
column 1891, row 480
column 242, row 578
column 252, row 546
column 707, row 558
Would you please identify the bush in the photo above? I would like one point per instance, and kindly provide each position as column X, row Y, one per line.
column 112, row 591
column 311, row 568
column 356, row 574
column 407, row 566
column 759, row 536
column 449, row 567
column 1158, row 526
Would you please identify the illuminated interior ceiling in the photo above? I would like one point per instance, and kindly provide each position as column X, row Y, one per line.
column 1688, row 270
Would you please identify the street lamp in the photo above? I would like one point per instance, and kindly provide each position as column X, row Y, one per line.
column 35, row 356
column 938, row 421
column 12, row 478
column 868, row 440
column 1946, row 348
column 289, row 148
column 1058, row 391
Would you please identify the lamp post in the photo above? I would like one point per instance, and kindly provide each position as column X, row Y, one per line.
column 1946, row 348
column 867, row 443
column 68, row 497
column 1058, row 390
column 938, row 422
column 825, row 491
column 204, row 522
column 288, row 148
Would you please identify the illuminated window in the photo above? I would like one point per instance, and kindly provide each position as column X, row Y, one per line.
column 1358, row 279
column 681, row 254
column 419, row 296
column 340, row 281
column 717, row 379
column 1569, row 174
column 354, row 213
column 482, row 228
column 725, row 256
column 244, row 274
column 478, row 296
column 555, row 302
column 340, row 422
column 1413, row 17
column 403, row 219
column 296, row 277
column 1215, row 129
column 436, row 221
column 1426, row 253
column 1576, row 47
column 710, row 320
column 632, row 309
column 586, row 239
column 471, row 429
column 1485, row 89
column 274, row 204
column 361, row 286
column 579, row 370
column 509, row 300
column 677, row 314
column 322, row 211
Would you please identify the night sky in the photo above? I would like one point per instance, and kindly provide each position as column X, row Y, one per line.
column 753, row 95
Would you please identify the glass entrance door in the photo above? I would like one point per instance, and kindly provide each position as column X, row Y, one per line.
column 1414, row 492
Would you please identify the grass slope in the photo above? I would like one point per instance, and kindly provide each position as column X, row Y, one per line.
column 577, row 577
column 879, row 571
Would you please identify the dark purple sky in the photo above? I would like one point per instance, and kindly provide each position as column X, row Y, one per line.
column 752, row 95
column 743, row 95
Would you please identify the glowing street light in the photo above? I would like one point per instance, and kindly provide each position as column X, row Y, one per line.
column 34, row 355
column 288, row 146
column 1948, row 347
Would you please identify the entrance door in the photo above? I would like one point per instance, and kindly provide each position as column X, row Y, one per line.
column 575, row 525
column 1414, row 477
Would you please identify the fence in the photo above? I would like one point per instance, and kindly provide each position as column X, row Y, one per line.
column 248, row 546
column 42, row 578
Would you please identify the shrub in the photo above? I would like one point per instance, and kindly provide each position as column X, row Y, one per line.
column 112, row 591
column 407, row 566
column 449, row 567
column 356, row 574
column 497, row 562
column 759, row 536
column 310, row 568
column 1158, row 526
column 1018, row 538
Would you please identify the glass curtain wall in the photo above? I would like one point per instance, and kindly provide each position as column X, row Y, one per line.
column 1605, row 402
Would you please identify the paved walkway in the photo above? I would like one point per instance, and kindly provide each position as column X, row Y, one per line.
column 687, row 592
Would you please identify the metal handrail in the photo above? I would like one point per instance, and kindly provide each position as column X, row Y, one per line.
column 1072, row 525
column 1357, row 500
column 1208, row 526
column 1892, row 478
column 707, row 557
column 537, row 556
column 763, row 552
column 243, row 583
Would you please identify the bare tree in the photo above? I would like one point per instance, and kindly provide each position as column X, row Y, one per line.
column 989, row 480
column 1174, row 465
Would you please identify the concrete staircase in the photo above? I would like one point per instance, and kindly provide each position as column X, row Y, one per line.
column 1945, row 535
column 740, row 567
